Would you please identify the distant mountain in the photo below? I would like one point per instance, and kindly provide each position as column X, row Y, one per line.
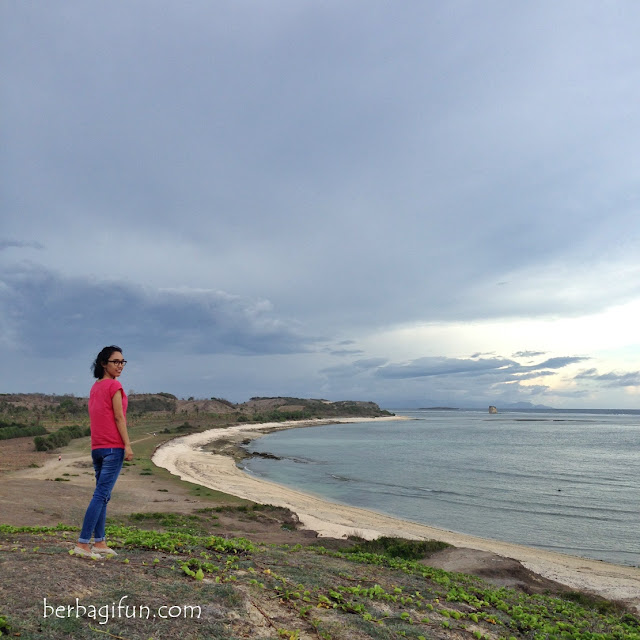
column 524, row 405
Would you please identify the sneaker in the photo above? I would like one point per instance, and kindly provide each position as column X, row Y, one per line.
column 83, row 553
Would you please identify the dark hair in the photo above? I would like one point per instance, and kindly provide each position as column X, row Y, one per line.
column 101, row 360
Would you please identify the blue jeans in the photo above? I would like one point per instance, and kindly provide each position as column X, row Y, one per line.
column 107, row 464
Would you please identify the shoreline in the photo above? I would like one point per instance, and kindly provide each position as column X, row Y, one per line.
column 185, row 458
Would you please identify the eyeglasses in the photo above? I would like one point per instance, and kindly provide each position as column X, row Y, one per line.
column 118, row 363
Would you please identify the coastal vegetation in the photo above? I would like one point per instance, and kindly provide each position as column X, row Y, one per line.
column 60, row 438
column 50, row 412
column 338, row 591
column 56, row 420
column 10, row 430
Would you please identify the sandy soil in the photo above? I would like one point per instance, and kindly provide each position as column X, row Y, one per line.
column 31, row 496
column 185, row 458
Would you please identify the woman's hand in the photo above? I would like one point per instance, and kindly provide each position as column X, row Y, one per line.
column 128, row 452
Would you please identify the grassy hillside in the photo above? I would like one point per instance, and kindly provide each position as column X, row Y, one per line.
column 52, row 410
column 228, row 589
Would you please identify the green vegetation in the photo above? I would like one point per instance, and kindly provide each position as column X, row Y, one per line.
column 147, row 403
column 283, row 414
column 60, row 438
column 399, row 547
column 9, row 430
column 160, row 410
column 300, row 591
column 175, row 522
column 297, row 408
column 39, row 414
column 71, row 406
column 4, row 626
column 38, row 406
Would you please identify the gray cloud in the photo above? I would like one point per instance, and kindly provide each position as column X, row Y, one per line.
column 438, row 381
column 366, row 157
column 611, row 379
column 5, row 243
column 51, row 314
column 425, row 367
column 502, row 368
column 345, row 352
column 555, row 363
column 355, row 368
column 358, row 168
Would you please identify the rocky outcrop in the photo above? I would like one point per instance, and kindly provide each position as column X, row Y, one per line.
column 493, row 409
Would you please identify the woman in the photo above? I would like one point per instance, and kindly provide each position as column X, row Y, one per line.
column 110, row 446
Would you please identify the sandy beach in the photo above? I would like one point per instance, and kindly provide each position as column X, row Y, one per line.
column 185, row 458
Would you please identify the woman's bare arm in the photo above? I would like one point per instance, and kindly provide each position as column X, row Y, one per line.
column 121, row 423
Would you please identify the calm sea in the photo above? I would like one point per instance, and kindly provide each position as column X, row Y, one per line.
column 558, row 480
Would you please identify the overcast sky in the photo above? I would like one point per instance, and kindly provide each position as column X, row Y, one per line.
column 419, row 203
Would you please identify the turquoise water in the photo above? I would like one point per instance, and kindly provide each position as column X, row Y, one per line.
column 562, row 481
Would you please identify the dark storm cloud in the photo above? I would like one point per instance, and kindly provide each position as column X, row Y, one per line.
column 51, row 315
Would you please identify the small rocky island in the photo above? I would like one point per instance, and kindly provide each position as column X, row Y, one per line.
column 493, row 409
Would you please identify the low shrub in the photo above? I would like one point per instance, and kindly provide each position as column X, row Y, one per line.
column 20, row 430
column 399, row 547
column 60, row 438
column 4, row 626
